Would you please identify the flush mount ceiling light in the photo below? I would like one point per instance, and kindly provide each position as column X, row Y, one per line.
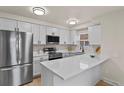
column 39, row 11
column 72, row 21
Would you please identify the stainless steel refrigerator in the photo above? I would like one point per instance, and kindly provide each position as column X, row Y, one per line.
column 16, row 58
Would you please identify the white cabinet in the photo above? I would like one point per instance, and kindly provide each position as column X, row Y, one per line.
column 24, row 26
column 36, row 68
column 67, row 36
column 13, row 25
column 52, row 31
column 42, row 33
column 74, row 38
column 64, row 36
column 36, row 64
column 7, row 24
column 94, row 35
column 36, row 35
column 62, row 39
column 39, row 34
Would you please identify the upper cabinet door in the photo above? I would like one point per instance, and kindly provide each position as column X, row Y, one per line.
column 7, row 24
column 73, row 37
column 36, row 34
column 94, row 33
column 24, row 26
column 64, row 36
column 42, row 33
column 67, row 36
column 52, row 31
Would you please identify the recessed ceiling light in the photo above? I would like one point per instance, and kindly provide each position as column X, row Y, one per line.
column 39, row 11
column 72, row 21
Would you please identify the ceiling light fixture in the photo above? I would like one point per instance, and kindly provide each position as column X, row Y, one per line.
column 39, row 11
column 72, row 21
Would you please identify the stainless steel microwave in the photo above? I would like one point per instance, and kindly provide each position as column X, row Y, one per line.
column 52, row 39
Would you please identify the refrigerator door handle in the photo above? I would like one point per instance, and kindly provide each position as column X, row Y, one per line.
column 11, row 68
column 20, row 49
column 6, row 69
column 17, row 47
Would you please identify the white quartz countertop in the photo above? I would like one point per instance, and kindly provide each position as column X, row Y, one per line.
column 71, row 66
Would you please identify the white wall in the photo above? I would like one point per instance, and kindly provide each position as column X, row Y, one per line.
column 113, row 45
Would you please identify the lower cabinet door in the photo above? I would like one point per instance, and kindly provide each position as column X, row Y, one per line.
column 16, row 75
column 34, row 68
column 37, row 68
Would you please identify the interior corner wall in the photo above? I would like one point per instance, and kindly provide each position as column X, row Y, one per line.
column 113, row 45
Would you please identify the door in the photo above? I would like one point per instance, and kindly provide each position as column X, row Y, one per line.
column 64, row 36
column 67, row 36
column 42, row 34
column 94, row 33
column 36, row 68
column 16, row 75
column 74, row 37
column 7, row 24
column 25, row 47
column 8, row 48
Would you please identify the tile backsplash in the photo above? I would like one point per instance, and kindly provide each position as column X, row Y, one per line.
column 60, row 48
column 64, row 48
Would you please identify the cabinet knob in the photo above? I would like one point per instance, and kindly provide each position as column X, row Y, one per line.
column 53, row 33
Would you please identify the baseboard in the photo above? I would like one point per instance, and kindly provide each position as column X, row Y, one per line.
column 111, row 82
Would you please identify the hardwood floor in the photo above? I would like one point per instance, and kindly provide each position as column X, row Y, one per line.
column 102, row 83
column 37, row 82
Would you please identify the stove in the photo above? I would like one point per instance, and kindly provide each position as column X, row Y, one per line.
column 56, row 55
column 53, row 54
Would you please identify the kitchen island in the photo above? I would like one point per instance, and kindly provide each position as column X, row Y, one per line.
column 80, row 70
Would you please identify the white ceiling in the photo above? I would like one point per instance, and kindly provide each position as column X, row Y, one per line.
column 59, row 14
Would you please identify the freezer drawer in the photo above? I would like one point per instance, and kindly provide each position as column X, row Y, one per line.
column 16, row 75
